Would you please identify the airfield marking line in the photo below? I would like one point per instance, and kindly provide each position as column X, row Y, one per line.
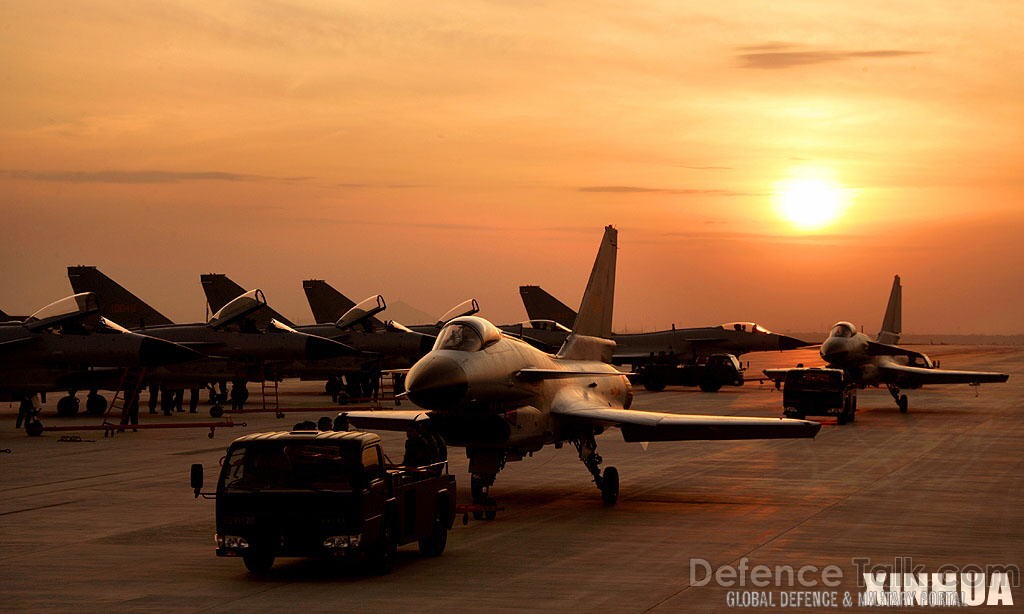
column 38, row 507
column 90, row 477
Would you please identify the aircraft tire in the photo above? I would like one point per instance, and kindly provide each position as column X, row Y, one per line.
column 34, row 428
column 96, row 404
column 903, row 403
column 610, row 486
column 216, row 411
column 67, row 407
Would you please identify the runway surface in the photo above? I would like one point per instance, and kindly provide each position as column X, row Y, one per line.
column 111, row 524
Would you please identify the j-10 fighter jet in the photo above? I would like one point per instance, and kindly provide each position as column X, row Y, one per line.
column 705, row 356
column 68, row 345
column 240, row 341
column 502, row 398
column 880, row 362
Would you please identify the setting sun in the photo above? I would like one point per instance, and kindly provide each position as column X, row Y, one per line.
column 809, row 203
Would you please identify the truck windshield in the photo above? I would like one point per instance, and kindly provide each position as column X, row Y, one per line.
column 287, row 465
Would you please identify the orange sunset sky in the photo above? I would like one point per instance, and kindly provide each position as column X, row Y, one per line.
column 432, row 154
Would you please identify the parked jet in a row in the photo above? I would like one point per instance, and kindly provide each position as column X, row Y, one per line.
column 880, row 362
column 704, row 356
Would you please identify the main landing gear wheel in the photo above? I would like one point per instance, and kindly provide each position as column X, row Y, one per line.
column 67, row 407
column 95, row 404
column 216, row 411
column 608, row 483
column 480, row 486
column 34, row 428
column 610, row 486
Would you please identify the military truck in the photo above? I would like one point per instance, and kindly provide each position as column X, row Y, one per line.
column 709, row 373
column 819, row 392
column 328, row 494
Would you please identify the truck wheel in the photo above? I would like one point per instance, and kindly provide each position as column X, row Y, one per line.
column 610, row 486
column 382, row 560
column 434, row 544
column 707, row 385
column 654, row 383
column 792, row 412
column 258, row 562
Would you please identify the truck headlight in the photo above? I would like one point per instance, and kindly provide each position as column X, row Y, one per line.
column 232, row 542
column 338, row 542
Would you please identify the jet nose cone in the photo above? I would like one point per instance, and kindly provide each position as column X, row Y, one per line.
column 437, row 382
column 318, row 348
column 791, row 343
column 153, row 351
column 833, row 352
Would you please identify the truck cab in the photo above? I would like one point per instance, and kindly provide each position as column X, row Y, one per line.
column 818, row 392
column 326, row 494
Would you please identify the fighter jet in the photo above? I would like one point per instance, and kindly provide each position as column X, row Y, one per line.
column 242, row 341
column 880, row 362
column 502, row 398
column 68, row 345
column 704, row 357
column 387, row 345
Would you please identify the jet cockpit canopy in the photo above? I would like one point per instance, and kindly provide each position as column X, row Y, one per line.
column 68, row 309
column 240, row 307
column 843, row 329
column 467, row 334
column 746, row 327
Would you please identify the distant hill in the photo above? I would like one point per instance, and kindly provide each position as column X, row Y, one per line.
column 405, row 313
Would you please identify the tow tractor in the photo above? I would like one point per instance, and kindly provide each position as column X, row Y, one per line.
column 329, row 494
column 819, row 392
column 709, row 373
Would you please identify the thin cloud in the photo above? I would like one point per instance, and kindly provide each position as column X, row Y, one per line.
column 377, row 186
column 775, row 56
column 137, row 177
column 629, row 189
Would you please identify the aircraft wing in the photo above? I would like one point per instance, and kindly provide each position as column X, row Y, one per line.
column 542, row 374
column 919, row 376
column 655, row 426
column 385, row 420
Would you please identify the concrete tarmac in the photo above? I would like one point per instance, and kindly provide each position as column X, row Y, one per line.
column 110, row 524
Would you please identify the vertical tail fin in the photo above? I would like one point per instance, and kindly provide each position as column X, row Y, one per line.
column 595, row 315
column 542, row 306
column 115, row 301
column 221, row 290
column 892, row 323
column 326, row 303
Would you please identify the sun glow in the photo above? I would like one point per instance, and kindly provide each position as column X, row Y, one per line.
column 809, row 203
